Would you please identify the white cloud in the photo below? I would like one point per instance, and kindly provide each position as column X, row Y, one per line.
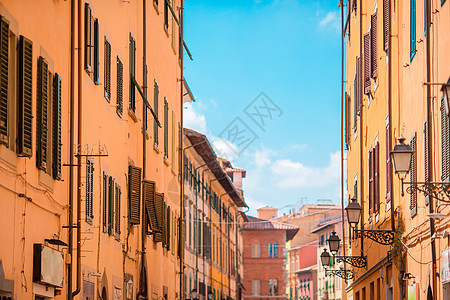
column 193, row 119
column 253, row 205
column 225, row 149
column 331, row 20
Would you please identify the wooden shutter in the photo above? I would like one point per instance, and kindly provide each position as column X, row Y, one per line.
column 371, row 180
column 96, row 53
column 181, row 237
column 159, row 205
column 111, row 205
column 57, row 86
column 105, row 202
column 413, row 178
column 89, row 189
column 367, row 62
column 119, row 103
column 134, row 194
column 132, row 49
column 388, row 165
column 107, row 69
column 88, row 39
column 42, row 104
column 347, row 100
column 444, row 142
column 168, row 231
column 4, row 79
column 148, row 189
column 426, row 161
column 374, row 45
column 376, row 178
column 118, row 195
column 166, row 128
column 386, row 23
column 155, row 107
column 25, row 97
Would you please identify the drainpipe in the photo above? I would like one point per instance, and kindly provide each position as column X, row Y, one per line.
column 71, row 142
column 391, row 187
column 80, row 107
column 361, row 131
column 181, row 39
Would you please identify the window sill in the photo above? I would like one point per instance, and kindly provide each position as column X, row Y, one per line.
column 155, row 147
column 166, row 161
column 166, row 30
column 45, row 180
column 132, row 116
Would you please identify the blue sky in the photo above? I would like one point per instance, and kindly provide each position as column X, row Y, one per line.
column 290, row 51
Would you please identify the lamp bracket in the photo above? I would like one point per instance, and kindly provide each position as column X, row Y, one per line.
column 437, row 190
column 356, row 261
column 345, row 274
column 383, row 237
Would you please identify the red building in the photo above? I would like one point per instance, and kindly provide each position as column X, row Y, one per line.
column 265, row 258
column 302, row 271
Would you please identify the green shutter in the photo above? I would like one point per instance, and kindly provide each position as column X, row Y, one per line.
column 105, row 202
column 4, row 79
column 132, row 49
column 42, row 104
column 166, row 128
column 111, row 205
column 444, row 142
column 96, row 53
column 117, row 212
column 57, row 127
column 25, row 97
column 134, row 194
column 107, row 70
column 119, row 103
column 156, row 108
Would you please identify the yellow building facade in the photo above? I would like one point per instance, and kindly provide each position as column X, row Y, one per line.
column 389, row 93
column 90, row 159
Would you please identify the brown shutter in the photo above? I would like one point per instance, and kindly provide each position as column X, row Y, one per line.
column 105, row 203
column 134, row 194
column 25, row 97
column 386, row 23
column 376, row 168
column 88, row 44
column 413, row 178
column 132, row 49
column 111, row 206
column 150, row 204
column 4, row 79
column 119, row 103
column 388, row 165
column 426, row 151
column 367, row 62
column 155, row 107
column 166, row 128
column 57, row 127
column 159, row 237
column 118, row 195
column 374, row 44
column 444, row 141
column 371, row 180
column 168, row 233
column 42, row 104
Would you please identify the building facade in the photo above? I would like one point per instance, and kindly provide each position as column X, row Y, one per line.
column 301, row 266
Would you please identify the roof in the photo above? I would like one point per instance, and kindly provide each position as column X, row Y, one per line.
column 202, row 146
column 303, row 245
column 187, row 93
column 327, row 224
column 261, row 224
column 307, row 269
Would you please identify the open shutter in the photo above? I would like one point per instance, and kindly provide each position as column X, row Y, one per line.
column 166, row 128
column 376, row 168
column 132, row 49
column 155, row 107
column 42, row 104
column 107, row 69
column 96, row 53
column 88, row 39
column 386, row 23
column 111, row 205
column 57, row 127
column 117, row 212
column 148, row 189
column 371, row 180
column 159, row 237
column 374, row 45
column 168, row 231
column 444, row 142
column 25, row 97
column 367, row 62
column 119, row 103
column 134, row 194
column 89, row 189
column 388, row 166
column 4, row 79
column 413, row 178
column 105, row 203
column 426, row 151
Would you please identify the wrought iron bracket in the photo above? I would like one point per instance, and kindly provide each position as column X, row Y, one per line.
column 383, row 237
column 356, row 261
column 437, row 190
column 345, row 274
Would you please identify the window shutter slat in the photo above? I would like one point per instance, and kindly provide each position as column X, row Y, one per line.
column 96, row 53
column 159, row 237
column 105, row 202
column 57, row 87
column 4, row 79
column 374, row 45
column 119, row 103
column 148, row 189
column 134, row 194
column 426, row 166
column 371, row 179
column 376, row 178
column 42, row 104
column 386, row 23
column 413, row 178
column 87, row 38
column 166, row 128
column 25, row 97
column 156, row 108
column 107, row 70
column 388, row 165
column 367, row 62
column 132, row 49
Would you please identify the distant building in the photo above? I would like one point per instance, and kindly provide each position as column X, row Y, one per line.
column 302, row 271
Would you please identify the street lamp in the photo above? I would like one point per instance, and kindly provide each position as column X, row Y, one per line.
column 334, row 242
column 401, row 157
column 355, row 261
column 194, row 294
column 210, row 295
column 325, row 258
column 353, row 210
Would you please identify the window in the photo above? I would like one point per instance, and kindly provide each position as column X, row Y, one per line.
column 367, row 62
column 56, row 141
column 6, row 70
column 445, row 142
column 357, row 93
column 107, row 70
column 96, row 53
column 413, row 178
column 110, row 203
column 89, row 190
column 42, row 114
column 374, row 199
column 256, row 286
column 166, row 128
column 119, row 102
column 256, row 250
column 134, row 194
column 388, row 166
column 347, row 119
column 118, row 195
column 273, row 287
column 166, row 15
column 374, row 45
column 105, row 202
column 88, row 38
column 412, row 29
column 273, row 250
column 155, row 107
column 25, row 97
column 297, row 264
column 426, row 167
column 132, row 49
column 386, row 23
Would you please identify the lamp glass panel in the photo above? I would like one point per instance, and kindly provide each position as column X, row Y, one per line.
column 401, row 161
column 353, row 215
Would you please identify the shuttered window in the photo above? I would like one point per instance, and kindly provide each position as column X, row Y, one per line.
column 25, row 97
column 374, row 44
column 426, row 160
column 96, row 53
column 388, row 166
column 376, row 185
column 158, row 236
column 166, row 15
column 119, row 102
column 56, row 141
column 132, row 49
column 386, row 23
column 445, row 141
column 42, row 114
column 166, row 128
column 105, row 202
column 89, row 190
column 134, row 194
column 413, row 178
column 107, row 70
column 111, row 191
column 412, row 29
column 148, row 190
column 256, row 286
column 371, row 180
column 4, row 79
column 88, row 38
column 367, row 62
column 156, row 108
column 118, row 195
column 347, row 120
column 167, row 226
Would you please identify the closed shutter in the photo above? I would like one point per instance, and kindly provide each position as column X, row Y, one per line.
column 374, row 44
column 388, row 165
column 426, row 160
column 166, row 128
column 57, row 86
column 119, row 103
column 181, row 237
column 42, row 104
column 88, row 38
column 371, row 180
column 132, row 49
column 4, row 79
column 444, row 142
column 107, row 70
column 376, row 168
column 168, row 231
column 413, row 178
column 386, row 23
column 347, row 100
column 89, row 189
column 134, row 194
column 159, row 237
column 148, row 189
column 96, row 53
column 105, row 203
column 25, row 97
column 367, row 62
column 111, row 205
column 155, row 106
column 118, row 195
